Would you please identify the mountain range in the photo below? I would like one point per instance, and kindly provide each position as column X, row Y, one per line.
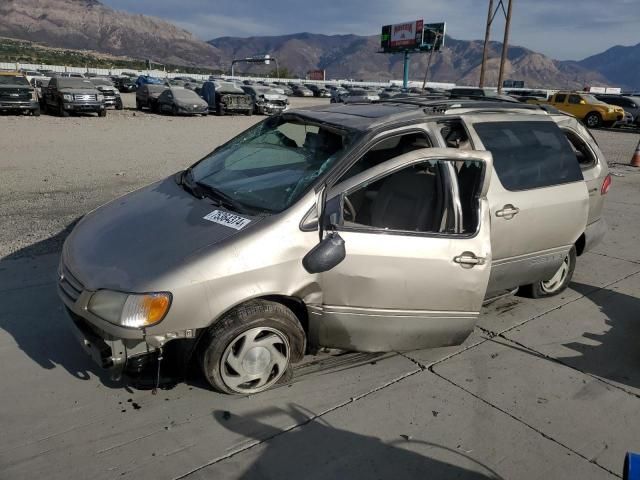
column 88, row 24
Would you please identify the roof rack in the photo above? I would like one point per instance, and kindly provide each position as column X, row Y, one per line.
column 439, row 104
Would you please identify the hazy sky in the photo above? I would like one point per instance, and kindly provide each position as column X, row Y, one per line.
column 562, row 29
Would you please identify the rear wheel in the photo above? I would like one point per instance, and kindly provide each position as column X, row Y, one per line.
column 557, row 283
column 593, row 120
column 102, row 113
column 251, row 348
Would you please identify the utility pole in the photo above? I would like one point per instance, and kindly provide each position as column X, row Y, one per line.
column 485, row 51
column 426, row 73
column 505, row 46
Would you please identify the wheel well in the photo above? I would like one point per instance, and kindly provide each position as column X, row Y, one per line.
column 580, row 244
column 294, row 304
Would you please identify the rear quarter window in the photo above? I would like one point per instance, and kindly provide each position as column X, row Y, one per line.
column 528, row 155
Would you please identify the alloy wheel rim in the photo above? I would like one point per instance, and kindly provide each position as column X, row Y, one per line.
column 555, row 282
column 255, row 360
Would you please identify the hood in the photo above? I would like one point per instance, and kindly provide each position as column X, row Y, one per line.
column 130, row 242
column 274, row 96
column 80, row 91
column 190, row 103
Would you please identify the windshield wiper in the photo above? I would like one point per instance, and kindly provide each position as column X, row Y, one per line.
column 223, row 199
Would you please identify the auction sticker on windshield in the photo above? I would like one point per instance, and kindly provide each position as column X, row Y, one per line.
column 227, row 219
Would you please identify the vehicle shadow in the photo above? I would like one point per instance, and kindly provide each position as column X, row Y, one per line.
column 613, row 354
column 32, row 314
column 317, row 450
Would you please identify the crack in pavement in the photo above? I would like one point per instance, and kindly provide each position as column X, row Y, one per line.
column 301, row 424
column 519, row 420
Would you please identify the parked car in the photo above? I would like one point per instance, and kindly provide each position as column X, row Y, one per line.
column 360, row 95
column 318, row 91
column 182, row 101
column 66, row 95
column 338, row 94
column 124, row 84
column 226, row 98
column 148, row 80
column 68, row 75
column 486, row 93
column 628, row 103
column 586, row 107
column 17, row 95
column 348, row 227
column 147, row 96
column 301, row 91
column 111, row 94
column 266, row 101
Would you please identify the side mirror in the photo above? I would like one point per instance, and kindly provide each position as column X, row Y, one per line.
column 326, row 255
column 582, row 102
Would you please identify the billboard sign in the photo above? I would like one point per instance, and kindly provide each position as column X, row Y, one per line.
column 402, row 36
column 316, row 75
column 433, row 37
column 513, row 84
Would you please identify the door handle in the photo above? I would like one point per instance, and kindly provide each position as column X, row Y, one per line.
column 468, row 260
column 508, row 212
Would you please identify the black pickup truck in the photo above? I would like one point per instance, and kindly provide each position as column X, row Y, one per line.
column 17, row 95
column 64, row 95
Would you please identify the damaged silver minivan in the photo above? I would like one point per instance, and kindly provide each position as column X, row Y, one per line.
column 372, row 228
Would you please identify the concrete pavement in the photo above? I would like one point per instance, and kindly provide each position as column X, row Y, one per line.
column 543, row 389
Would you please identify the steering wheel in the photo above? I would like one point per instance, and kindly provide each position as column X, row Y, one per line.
column 349, row 209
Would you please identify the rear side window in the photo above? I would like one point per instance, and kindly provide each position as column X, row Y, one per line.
column 529, row 155
column 560, row 98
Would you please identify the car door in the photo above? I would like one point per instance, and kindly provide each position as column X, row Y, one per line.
column 538, row 198
column 399, row 287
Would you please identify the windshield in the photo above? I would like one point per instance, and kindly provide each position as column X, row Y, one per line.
column 72, row 82
column 101, row 82
column 591, row 99
column 228, row 87
column 269, row 166
column 13, row 80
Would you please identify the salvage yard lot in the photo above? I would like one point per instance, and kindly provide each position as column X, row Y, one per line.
column 543, row 389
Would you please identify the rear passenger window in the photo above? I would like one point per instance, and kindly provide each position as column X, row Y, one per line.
column 560, row 98
column 574, row 99
column 529, row 155
column 584, row 155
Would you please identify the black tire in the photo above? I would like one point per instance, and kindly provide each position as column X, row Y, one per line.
column 541, row 290
column 220, row 110
column 61, row 111
column 248, row 113
column 253, row 314
column 593, row 120
column 102, row 113
column 119, row 106
column 35, row 112
column 138, row 105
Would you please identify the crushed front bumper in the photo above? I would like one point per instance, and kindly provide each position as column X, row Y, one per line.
column 270, row 108
column 107, row 352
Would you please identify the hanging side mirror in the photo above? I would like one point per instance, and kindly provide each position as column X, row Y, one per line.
column 326, row 255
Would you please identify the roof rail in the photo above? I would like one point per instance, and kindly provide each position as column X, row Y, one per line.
column 439, row 104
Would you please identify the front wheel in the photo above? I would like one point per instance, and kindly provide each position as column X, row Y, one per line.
column 557, row 283
column 102, row 113
column 593, row 120
column 251, row 348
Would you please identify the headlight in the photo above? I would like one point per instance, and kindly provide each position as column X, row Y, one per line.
column 68, row 97
column 130, row 310
column 100, row 97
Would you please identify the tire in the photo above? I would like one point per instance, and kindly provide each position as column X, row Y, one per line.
column 102, row 113
column 222, row 348
column 553, row 286
column 61, row 111
column 220, row 110
column 174, row 110
column 119, row 106
column 35, row 112
column 138, row 105
column 593, row 120
column 248, row 113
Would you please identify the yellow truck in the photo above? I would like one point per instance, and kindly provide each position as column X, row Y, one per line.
column 586, row 107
